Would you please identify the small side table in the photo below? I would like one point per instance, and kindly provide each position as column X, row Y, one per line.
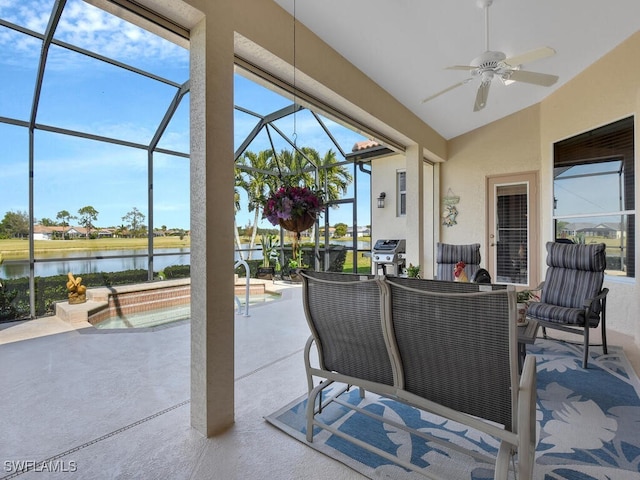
column 527, row 334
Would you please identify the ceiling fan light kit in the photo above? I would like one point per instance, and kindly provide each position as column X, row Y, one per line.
column 492, row 65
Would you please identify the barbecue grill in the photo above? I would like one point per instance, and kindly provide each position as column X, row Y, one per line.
column 389, row 255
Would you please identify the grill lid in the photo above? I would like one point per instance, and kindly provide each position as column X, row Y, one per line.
column 389, row 246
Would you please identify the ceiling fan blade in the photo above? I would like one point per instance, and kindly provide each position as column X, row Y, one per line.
column 459, row 84
column 530, row 56
column 535, row 78
column 482, row 96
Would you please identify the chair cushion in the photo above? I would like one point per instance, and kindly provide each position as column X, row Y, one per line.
column 561, row 315
column 448, row 255
column 570, row 288
column 590, row 258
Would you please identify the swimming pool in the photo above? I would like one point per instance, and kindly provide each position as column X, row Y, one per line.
column 167, row 315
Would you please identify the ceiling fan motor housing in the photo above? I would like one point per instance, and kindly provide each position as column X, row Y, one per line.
column 489, row 60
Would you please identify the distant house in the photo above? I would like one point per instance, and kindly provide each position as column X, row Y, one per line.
column 585, row 229
column 600, row 230
column 105, row 233
column 41, row 232
column 75, row 232
column 361, row 232
column 332, row 231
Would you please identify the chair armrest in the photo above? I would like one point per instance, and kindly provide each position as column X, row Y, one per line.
column 307, row 361
column 598, row 298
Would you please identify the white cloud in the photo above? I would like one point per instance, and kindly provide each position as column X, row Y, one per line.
column 93, row 29
column 33, row 14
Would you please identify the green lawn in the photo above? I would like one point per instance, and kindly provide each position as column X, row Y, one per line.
column 19, row 249
column 364, row 263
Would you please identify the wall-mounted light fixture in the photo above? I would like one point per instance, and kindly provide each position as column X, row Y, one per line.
column 381, row 198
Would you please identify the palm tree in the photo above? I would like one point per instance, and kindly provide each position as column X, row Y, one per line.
column 295, row 168
column 257, row 183
column 333, row 179
column 236, row 204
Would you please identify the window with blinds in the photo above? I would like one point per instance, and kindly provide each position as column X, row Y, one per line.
column 401, row 186
column 512, row 233
column 594, row 192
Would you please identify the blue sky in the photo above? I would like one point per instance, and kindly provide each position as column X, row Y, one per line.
column 83, row 94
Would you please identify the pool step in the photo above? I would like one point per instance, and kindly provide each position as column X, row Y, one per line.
column 147, row 319
column 79, row 313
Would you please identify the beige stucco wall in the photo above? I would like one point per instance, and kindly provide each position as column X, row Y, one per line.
column 383, row 179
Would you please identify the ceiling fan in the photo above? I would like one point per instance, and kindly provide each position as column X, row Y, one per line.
column 492, row 65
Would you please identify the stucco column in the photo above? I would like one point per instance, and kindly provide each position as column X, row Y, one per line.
column 415, row 205
column 212, row 180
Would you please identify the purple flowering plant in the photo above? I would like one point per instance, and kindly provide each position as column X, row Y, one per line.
column 292, row 202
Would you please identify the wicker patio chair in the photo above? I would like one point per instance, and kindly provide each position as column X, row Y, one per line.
column 572, row 298
column 448, row 255
column 459, row 360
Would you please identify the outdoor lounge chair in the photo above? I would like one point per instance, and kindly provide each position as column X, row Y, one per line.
column 573, row 299
column 446, row 348
column 448, row 255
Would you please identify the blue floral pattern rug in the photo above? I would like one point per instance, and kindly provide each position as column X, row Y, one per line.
column 588, row 424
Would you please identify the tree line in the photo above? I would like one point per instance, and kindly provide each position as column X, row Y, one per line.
column 15, row 224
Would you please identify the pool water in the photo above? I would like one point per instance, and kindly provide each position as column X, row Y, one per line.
column 162, row 316
column 258, row 298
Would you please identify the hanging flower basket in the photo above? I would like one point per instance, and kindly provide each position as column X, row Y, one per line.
column 293, row 208
column 298, row 224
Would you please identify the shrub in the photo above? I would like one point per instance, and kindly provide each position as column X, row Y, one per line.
column 14, row 296
column 177, row 271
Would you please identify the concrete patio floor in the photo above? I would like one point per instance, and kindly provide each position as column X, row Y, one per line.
column 115, row 404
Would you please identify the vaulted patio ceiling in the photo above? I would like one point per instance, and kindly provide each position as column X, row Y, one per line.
column 405, row 45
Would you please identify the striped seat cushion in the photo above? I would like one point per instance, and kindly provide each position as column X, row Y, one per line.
column 448, row 255
column 565, row 315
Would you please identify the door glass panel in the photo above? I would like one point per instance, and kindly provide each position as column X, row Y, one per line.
column 512, row 234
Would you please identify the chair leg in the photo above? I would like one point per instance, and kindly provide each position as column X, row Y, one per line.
column 604, row 336
column 585, row 357
column 544, row 332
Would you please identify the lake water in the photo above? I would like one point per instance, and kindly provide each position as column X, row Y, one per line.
column 62, row 262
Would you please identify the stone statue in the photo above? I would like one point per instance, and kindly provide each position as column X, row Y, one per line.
column 77, row 292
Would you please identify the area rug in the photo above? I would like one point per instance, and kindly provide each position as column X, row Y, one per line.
column 588, row 424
